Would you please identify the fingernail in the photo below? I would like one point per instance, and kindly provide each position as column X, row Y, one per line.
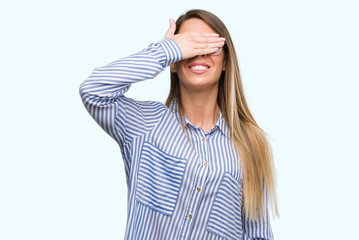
column 223, row 39
column 215, row 34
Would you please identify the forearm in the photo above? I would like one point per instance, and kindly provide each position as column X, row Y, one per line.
column 111, row 81
column 102, row 92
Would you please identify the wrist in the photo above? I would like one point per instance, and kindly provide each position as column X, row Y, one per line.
column 172, row 51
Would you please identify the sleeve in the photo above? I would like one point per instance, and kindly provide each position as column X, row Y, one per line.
column 103, row 91
column 260, row 228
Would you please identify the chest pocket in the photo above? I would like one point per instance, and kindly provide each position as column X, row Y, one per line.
column 159, row 179
column 225, row 218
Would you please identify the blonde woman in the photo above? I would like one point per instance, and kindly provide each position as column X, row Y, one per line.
column 198, row 167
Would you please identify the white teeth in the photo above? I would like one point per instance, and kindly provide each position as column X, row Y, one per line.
column 199, row 67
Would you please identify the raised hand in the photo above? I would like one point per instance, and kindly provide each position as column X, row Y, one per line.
column 194, row 43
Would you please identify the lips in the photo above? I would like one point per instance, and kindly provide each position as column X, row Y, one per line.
column 198, row 67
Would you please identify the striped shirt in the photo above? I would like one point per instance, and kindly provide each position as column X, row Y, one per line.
column 177, row 189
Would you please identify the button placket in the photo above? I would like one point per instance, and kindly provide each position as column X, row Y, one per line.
column 204, row 149
column 195, row 197
column 202, row 145
column 198, row 183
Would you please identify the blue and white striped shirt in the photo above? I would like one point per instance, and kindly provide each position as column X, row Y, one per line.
column 176, row 190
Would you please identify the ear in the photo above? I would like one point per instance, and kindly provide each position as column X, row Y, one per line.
column 173, row 67
column 224, row 64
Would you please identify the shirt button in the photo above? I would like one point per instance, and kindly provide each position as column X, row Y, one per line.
column 214, row 128
column 203, row 139
column 205, row 164
column 198, row 189
column 190, row 216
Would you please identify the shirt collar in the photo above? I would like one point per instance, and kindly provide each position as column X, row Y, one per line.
column 173, row 106
column 221, row 124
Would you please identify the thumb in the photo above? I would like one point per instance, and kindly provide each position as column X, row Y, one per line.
column 171, row 30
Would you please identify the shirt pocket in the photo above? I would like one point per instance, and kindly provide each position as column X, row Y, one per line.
column 225, row 219
column 159, row 179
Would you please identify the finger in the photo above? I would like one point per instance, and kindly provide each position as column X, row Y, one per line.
column 171, row 30
column 205, row 51
column 209, row 40
column 208, row 45
column 197, row 34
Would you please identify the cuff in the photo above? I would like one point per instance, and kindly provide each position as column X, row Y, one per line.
column 172, row 51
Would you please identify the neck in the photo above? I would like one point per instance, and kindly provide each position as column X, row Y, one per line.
column 201, row 107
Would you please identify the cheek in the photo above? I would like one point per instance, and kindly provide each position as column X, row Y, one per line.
column 178, row 66
column 221, row 64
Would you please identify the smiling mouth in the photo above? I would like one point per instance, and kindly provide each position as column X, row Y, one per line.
column 199, row 67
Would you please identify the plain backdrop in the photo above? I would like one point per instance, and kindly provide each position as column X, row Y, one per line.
column 62, row 176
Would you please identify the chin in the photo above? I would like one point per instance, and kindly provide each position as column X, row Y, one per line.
column 199, row 84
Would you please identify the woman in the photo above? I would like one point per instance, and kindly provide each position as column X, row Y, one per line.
column 198, row 167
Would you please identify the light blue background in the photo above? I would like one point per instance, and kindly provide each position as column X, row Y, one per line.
column 62, row 177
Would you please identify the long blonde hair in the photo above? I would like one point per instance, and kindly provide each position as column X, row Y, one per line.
column 249, row 139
